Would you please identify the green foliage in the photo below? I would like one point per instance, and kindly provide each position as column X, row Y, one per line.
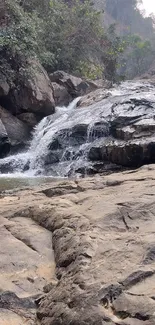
column 19, row 36
column 18, row 41
column 67, row 35
column 130, row 18
column 62, row 35
column 138, row 57
column 89, row 70
column 72, row 33
column 138, row 33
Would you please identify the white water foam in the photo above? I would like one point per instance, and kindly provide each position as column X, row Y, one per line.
column 32, row 162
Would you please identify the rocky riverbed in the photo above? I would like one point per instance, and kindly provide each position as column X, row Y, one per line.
column 79, row 252
column 106, row 130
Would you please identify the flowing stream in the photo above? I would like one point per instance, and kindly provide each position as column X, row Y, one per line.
column 73, row 149
column 61, row 142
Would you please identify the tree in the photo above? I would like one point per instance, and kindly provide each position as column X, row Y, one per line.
column 138, row 57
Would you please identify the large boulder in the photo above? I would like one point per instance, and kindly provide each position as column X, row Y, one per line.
column 4, row 141
column 133, row 153
column 34, row 94
column 131, row 139
column 76, row 86
column 15, row 130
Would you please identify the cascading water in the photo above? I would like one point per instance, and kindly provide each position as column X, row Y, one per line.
column 59, row 145
column 61, row 142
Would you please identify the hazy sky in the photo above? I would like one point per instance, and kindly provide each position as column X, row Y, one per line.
column 149, row 6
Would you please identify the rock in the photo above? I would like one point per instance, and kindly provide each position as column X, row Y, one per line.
column 53, row 157
column 78, row 135
column 102, row 233
column 22, row 257
column 99, row 83
column 128, row 154
column 4, row 141
column 75, row 86
column 29, row 118
column 17, row 131
column 93, row 288
column 93, row 97
column 66, row 86
column 35, row 94
column 9, row 300
column 96, row 168
column 8, row 166
column 64, row 140
column 4, row 86
column 114, row 127
column 130, row 141
column 61, row 95
column 132, row 153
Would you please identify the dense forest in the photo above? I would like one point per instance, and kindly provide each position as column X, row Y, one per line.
column 138, row 32
column 71, row 36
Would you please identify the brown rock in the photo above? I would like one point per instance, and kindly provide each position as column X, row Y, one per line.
column 25, row 268
column 98, row 251
column 103, row 240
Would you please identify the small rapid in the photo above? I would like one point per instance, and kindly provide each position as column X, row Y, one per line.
column 61, row 142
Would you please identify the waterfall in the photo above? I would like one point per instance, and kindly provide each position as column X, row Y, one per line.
column 61, row 142
column 73, row 130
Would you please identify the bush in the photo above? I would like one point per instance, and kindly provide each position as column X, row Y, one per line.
column 63, row 36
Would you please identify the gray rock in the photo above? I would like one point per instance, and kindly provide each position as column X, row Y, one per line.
column 4, row 141
column 4, row 86
column 75, row 86
column 29, row 118
column 16, row 130
column 35, row 94
column 61, row 95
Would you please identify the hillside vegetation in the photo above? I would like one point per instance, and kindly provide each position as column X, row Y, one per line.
column 136, row 29
column 70, row 36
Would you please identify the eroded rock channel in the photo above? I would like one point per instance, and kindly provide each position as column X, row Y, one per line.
column 102, row 233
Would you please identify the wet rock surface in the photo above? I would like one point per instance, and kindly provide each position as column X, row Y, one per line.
column 106, row 127
column 115, row 126
column 102, row 233
column 66, row 87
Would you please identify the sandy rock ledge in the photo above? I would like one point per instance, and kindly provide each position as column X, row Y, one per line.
column 103, row 239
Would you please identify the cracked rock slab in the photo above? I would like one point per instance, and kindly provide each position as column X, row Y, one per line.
column 27, row 265
column 102, row 233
